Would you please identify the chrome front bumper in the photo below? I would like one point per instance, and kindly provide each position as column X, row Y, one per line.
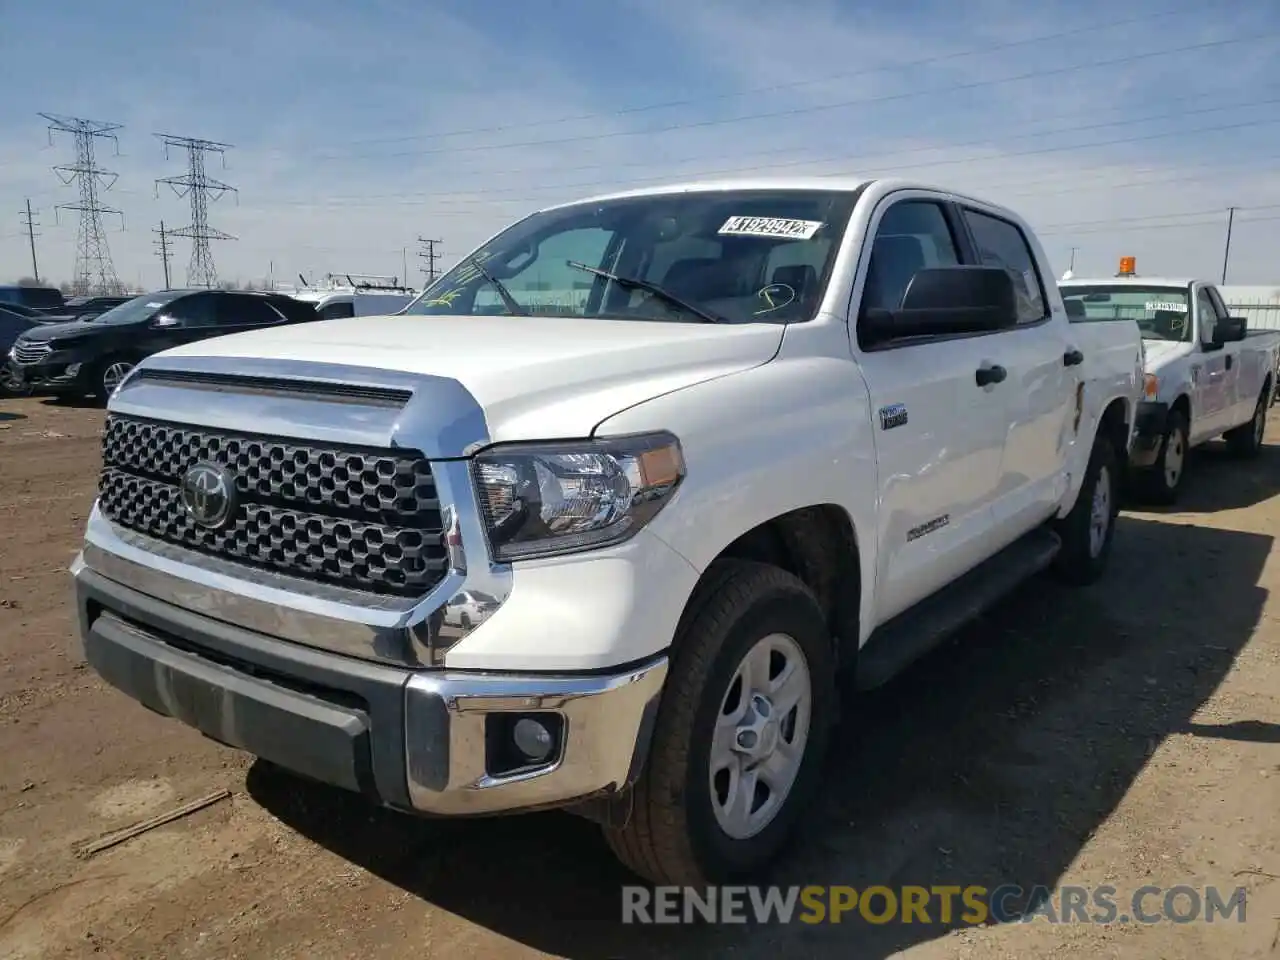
column 428, row 741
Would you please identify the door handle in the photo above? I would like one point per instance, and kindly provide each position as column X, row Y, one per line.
column 992, row 373
column 1229, row 359
column 1072, row 358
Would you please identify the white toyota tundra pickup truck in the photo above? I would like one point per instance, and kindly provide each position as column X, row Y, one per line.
column 596, row 520
column 1206, row 375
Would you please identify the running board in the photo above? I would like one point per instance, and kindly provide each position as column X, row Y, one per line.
column 895, row 645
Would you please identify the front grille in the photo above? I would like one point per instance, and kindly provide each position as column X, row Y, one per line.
column 30, row 352
column 368, row 520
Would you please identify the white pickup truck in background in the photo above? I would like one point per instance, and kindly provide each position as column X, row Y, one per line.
column 1206, row 375
column 596, row 520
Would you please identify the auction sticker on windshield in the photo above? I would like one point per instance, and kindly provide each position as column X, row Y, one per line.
column 771, row 227
column 1153, row 305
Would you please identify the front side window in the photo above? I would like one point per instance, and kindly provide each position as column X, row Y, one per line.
column 1160, row 312
column 1208, row 315
column 733, row 256
column 912, row 235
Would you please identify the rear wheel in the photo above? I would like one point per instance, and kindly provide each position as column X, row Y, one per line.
column 741, row 732
column 1246, row 439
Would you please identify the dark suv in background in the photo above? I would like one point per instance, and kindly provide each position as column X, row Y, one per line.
column 91, row 358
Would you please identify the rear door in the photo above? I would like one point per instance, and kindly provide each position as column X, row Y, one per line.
column 939, row 433
column 1043, row 370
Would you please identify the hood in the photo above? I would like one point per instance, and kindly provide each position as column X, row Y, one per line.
column 1160, row 352
column 59, row 329
column 534, row 377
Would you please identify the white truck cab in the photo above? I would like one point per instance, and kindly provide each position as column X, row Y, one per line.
column 595, row 521
column 1206, row 375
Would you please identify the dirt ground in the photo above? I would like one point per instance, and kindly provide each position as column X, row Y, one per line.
column 1127, row 734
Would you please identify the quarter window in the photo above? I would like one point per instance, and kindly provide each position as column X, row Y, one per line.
column 1002, row 244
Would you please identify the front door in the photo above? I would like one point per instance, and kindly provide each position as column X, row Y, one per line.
column 1210, row 375
column 939, row 431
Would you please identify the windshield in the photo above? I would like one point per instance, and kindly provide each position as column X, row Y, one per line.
column 138, row 309
column 1160, row 312
column 743, row 256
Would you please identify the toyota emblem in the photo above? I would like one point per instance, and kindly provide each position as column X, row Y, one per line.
column 208, row 494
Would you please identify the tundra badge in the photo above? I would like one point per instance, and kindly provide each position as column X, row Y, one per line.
column 894, row 415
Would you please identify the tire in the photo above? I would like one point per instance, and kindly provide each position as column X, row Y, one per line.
column 675, row 834
column 1088, row 530
column 9, row 385
column 108, row 375
column 1161, row 482
column 1245, row 441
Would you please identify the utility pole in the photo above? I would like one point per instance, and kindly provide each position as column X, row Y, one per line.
column 93, row 266
column 429, row 254
column 31, row 225
column 162, row 251
column 1226, row 254
column 201, row 188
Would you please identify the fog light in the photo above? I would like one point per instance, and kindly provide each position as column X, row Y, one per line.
column 533, row 739
column 73, row 369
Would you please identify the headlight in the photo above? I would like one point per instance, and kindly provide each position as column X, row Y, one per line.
column 543, row 499
column 1150, row 386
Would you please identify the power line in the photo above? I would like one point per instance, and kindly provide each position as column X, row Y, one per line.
column 93, row 266
column 428, row 253
column 162, row 251
column 819, row 108
column 844, row 156
column 201, row 188
column 892, row 170
column 853, row 158
column 31, row 223
column 1090, row 30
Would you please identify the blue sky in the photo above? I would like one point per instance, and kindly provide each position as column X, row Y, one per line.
column 360, row 127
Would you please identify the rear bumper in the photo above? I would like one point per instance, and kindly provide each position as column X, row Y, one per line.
column 430, row 741
column 1149, row 427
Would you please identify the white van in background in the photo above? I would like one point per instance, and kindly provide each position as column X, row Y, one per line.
column 358, row 296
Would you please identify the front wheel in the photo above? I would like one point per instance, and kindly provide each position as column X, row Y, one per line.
column 1162, row 482
column 1087, row 531
column 110, row 375
column 741, row 733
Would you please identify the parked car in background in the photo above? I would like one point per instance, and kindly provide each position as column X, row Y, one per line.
column 47, row 299
column 90, row 359
column 84, row 308
column 34, row 315
column 13, row 323
column 1206, row 375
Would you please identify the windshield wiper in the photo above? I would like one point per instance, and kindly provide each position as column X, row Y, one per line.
column 508, row 301
column 631, row 283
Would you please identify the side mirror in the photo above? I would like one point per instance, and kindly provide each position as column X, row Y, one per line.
column 164, row 320
column 1230, row 330
column 946, row 300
